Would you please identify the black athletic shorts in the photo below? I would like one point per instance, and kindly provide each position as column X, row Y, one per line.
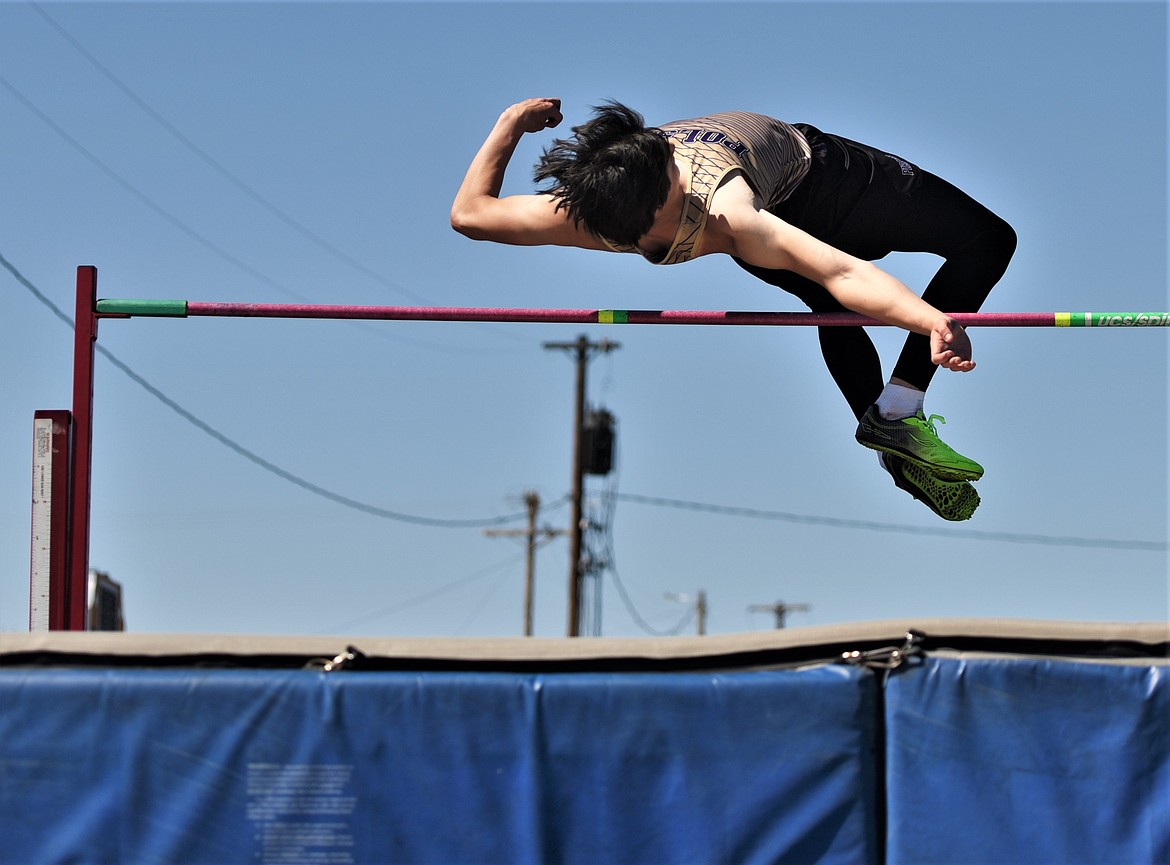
column 841, row 172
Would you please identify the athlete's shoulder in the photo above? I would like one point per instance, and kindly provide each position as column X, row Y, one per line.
column 730, row 128
column 722, row 117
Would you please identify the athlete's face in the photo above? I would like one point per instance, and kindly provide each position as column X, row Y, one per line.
column 674, row 190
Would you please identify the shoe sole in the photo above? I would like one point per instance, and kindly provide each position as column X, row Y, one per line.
column 964, row 500
column 945, row 473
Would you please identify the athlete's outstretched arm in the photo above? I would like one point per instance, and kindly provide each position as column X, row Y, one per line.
column 530, row 220
column 743, row 229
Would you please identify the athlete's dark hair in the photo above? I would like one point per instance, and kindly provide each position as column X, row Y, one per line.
column 611, row 175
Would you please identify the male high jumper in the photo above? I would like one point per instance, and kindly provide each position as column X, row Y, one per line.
column 798, row 208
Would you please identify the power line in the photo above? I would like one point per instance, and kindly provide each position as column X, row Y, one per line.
column 199, row 238
column 299, row 227
column 870, row 525
column 641, row 622
column 423, row 597
column 480, row 605
column 658, row 501
column 144, row 198
column 253, row 457
column 217, row 166
column 609, row 557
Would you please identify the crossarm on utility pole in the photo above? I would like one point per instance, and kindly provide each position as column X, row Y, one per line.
column 531, row 534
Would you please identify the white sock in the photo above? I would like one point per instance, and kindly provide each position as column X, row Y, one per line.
column 897, row 401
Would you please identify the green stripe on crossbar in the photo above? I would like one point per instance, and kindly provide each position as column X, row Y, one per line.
column 1127, row 319
column 1111, row 319
column 143, row 307
column 613, row 316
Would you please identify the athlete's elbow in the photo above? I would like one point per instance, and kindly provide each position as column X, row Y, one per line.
column 852, row 271
column 465, row 228
column 857, row 286
column 843, row 277
column 464, row 221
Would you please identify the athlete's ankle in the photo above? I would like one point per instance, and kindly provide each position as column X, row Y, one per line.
column 898, row 401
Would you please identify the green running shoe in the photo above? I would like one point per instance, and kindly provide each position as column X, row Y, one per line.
column 915, row 439
column 951, row 500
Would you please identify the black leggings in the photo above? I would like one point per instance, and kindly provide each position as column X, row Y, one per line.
column 869, row 203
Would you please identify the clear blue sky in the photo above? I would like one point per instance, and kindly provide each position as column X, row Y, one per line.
column 273, row 152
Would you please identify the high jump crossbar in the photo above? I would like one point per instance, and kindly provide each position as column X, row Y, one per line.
column 63, row 560
column 184, row 309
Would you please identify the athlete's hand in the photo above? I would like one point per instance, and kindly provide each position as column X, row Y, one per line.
column 533, row 115
column 950, row 347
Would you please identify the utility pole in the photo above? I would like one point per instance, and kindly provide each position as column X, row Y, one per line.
column 700, row 599
column 780, row 610
column 583, row 350
column 532, row 502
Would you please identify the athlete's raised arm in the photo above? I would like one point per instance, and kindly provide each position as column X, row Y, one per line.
column 744, row 230
column 529, row 220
